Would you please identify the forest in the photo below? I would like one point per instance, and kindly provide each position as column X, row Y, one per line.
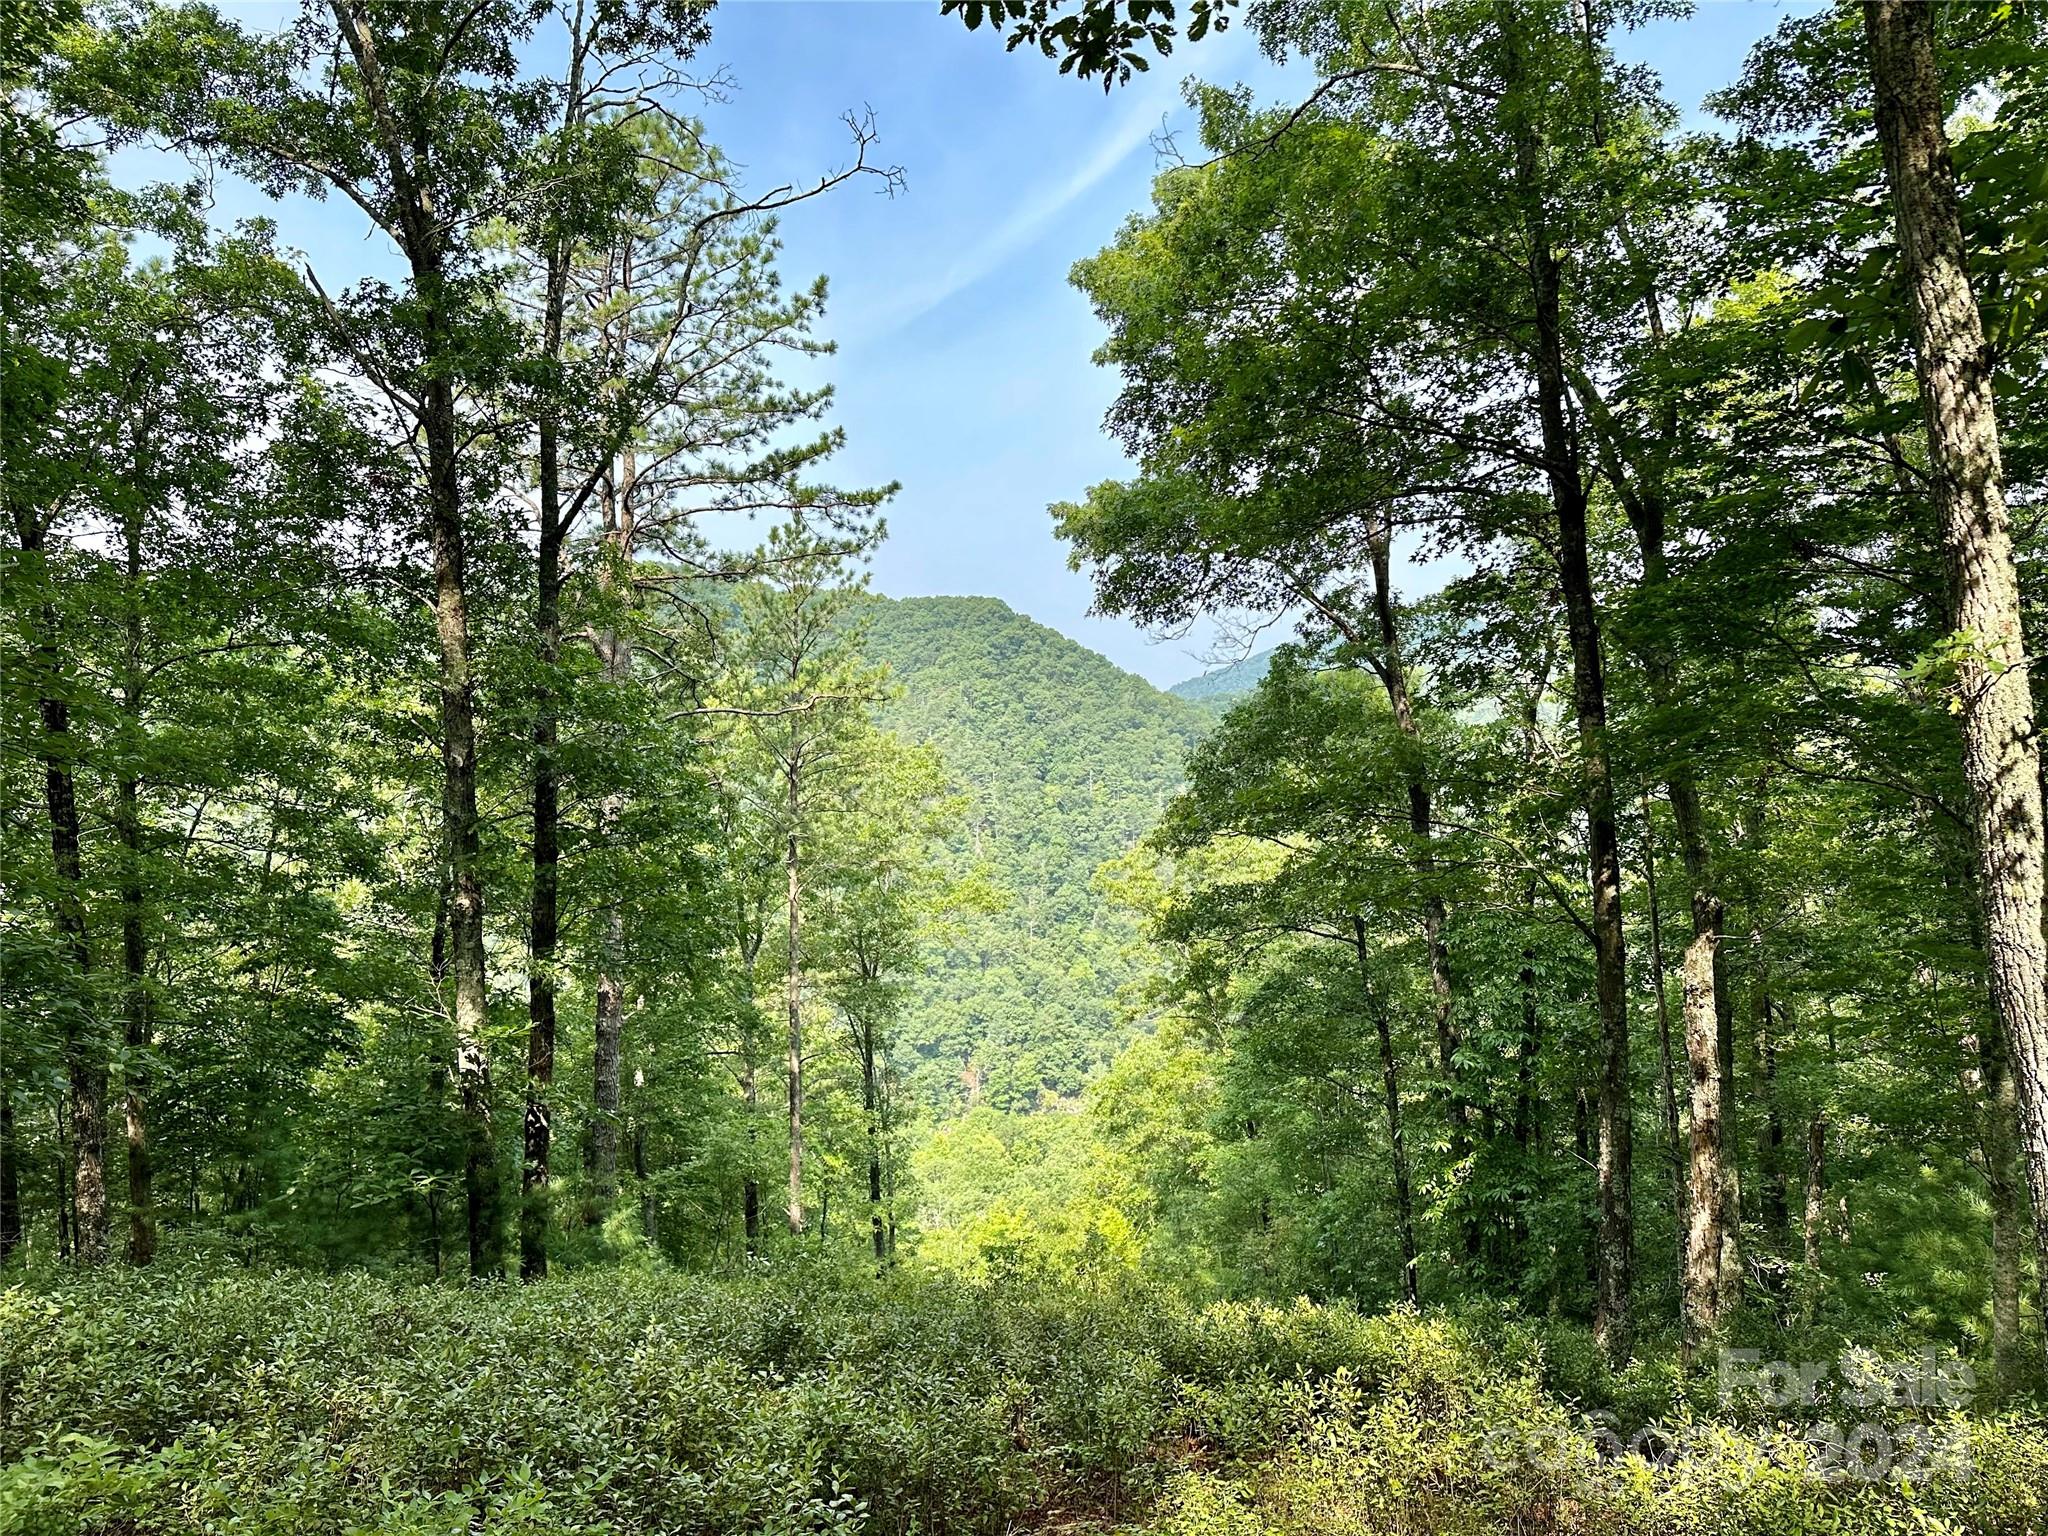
column 534, row 999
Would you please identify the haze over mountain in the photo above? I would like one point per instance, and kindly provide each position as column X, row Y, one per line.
column 1066, row 761
column 1220, row 687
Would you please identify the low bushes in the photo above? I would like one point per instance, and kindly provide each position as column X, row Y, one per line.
column 806, row 1401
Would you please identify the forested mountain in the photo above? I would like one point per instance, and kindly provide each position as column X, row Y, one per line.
column 1220, row 687
column 1065, row 761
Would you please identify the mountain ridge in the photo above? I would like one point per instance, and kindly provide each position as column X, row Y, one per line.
column 1066, row 760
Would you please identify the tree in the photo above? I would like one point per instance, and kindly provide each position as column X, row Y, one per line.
column 2001, row 757
column 420, row 119
column 802, row 692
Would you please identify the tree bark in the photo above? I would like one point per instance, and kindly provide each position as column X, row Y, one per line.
column 424, row 238
column 135, row 1000
column 1999, row 1137
column 543, row 918
column 1703, row 1247
column 1394, row 676
column 10, row 1169
column 1666, row 1076
column 615, row 656
column 871, row 1109
column 750, row 1186
column 1615, row 1246
column 1397, row 1144
column 793, row 996
column 1643, row 500
column 1814, row 1219
column 85, row 1063
column 1770, row 1137
column 2001, row 754
column 601, row 1155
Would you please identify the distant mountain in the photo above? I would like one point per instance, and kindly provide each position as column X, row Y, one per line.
column 1224, row 686
column 1067, row 761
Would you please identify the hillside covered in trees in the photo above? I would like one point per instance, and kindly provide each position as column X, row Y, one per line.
column 535, row 1001
column 1065, row 763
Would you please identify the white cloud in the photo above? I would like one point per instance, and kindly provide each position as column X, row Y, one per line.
column 1148, row 108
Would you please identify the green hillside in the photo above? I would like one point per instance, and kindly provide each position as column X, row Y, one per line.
column 1222, row 687
column 1066, row 760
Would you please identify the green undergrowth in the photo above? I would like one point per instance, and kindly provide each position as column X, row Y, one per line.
column 802, row 1400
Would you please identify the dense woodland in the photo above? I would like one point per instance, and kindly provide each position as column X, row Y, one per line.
column 534, row 1001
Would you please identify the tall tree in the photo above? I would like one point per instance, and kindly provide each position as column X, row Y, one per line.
column 2001, row 754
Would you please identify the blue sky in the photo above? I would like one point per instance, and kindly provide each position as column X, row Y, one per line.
column 963, row 366
column 963, row 369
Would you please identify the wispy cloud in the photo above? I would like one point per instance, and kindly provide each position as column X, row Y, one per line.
column 1148, row 109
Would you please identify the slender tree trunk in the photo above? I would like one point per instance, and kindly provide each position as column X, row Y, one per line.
column 750, row 1187
column 1999, row 1136
column 871, row 1109
column 85, row 1062
column 615, row 655
column 601, row 1156
column 135, row 1001
column 10, row 1167
column 1532, row 1043
column 1814, row 1218
column 423, row 236
column 1397, row 1144
column 66, row 1215
column 1643, row 500
column 1703, row 1305
column 1665, row 1063
column 136, row 1031
column 460, row 832
column 1615, row 1246
column 793, row 995
column 544, row 923
column 1394, row 675
column 1774, row 1206
column 2001, row 754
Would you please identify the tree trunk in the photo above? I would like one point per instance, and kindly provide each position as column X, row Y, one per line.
column 460, row 832
column 1704, row 1241
column 871, row 1108
column 2001, row 754
column 1770, row 1137
column 750, row 1187
column 423, row 237
column 1665, row 1065
column 544, row 923
column 1643, row 500
column 1615, row 1247
column 1814, row 1218
column 1394, row 676
column 1999, row 1129
column 84, row 1061
column 793, row 992
column 615, row 656
column 1397, row 1144
column 10, row 1170
column 135, row 1001
column 601, row 1153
